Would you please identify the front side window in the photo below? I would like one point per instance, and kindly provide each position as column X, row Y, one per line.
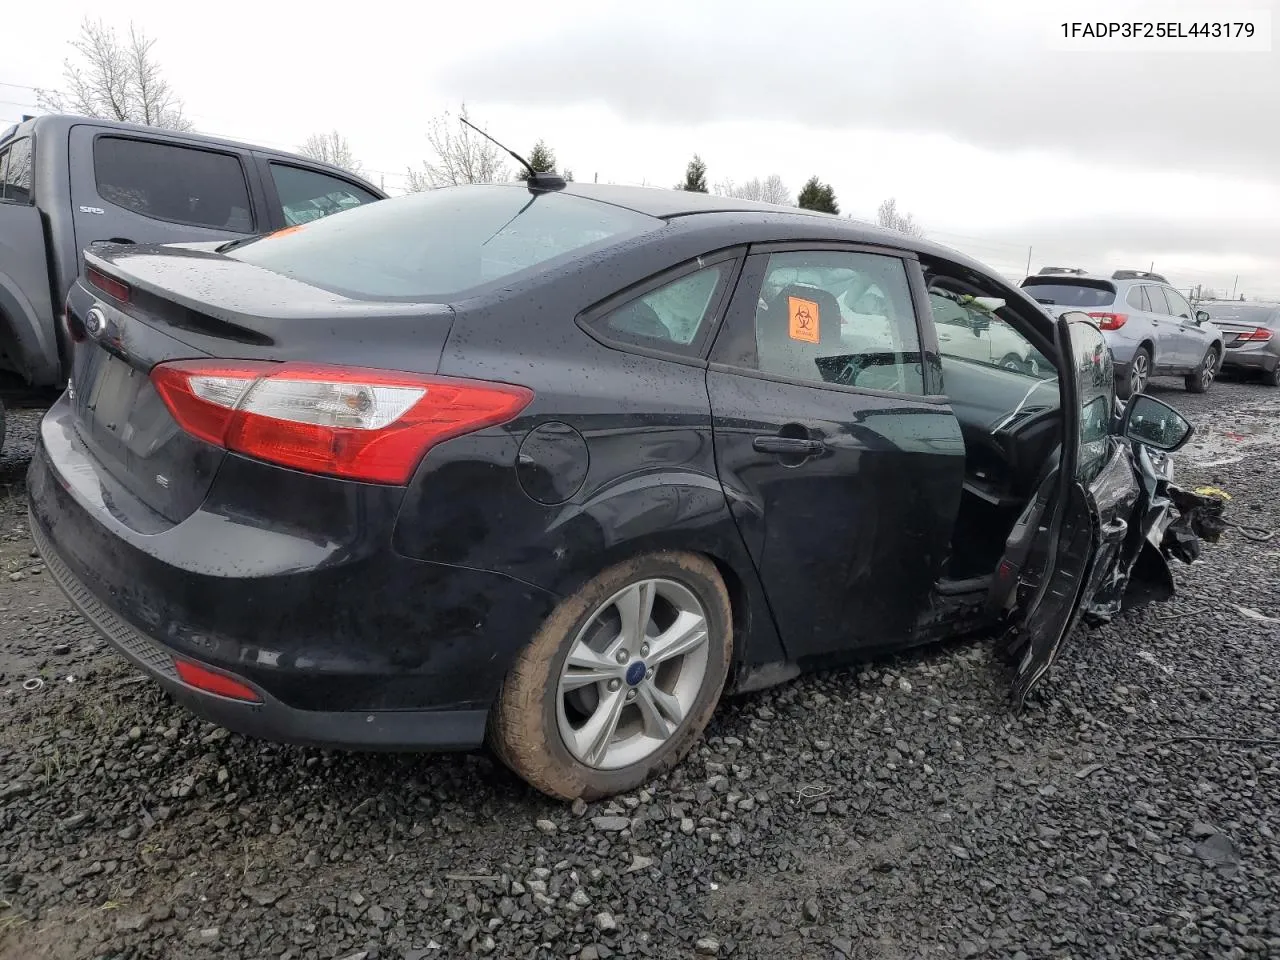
column 437, row 244
column 840, row 318
column 307, row 195
column 1178, row 305
column 15, row 172
column 673, row 315
column 175, row 183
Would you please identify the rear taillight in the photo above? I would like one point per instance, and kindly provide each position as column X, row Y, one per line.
column 1259, row 335
column 210, row 681
column 352, row 422
column 1110, row 321
column 112, row 287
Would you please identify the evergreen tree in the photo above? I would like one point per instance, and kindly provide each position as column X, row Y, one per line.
column 817, row 195
column 695, row 176
column 542, row 159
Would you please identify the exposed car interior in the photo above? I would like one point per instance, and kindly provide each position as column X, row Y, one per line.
column 1009, row 417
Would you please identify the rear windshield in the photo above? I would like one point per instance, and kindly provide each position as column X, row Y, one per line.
column 433, row 245
column 1259, row 314
column 1060, row 293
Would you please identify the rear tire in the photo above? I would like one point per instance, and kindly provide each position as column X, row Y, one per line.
column 4, row 425
column 1272, row 379
column 1011, row 361
column 544, row 692
column 1199, row 380
column 1139, row 375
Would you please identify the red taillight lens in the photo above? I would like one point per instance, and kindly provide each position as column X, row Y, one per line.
column 1259, row 335
column 112, row 287
column 361, row 424
column 1110, row 321
column 197, row 676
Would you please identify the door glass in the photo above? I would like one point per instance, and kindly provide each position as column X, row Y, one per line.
column 1158, row 302
column 1095, row 381
column 671, row 315
column 1178, row 305
column 306, row 195
column 15, row 176
column 174, row 183
column 843, row 318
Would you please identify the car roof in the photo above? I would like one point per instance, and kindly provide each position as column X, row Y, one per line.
column 58, row 125
column 663, row 203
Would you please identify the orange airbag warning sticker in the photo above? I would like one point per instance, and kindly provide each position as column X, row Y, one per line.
column 804, row 319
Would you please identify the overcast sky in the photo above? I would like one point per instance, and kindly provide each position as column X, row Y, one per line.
column 962, row 109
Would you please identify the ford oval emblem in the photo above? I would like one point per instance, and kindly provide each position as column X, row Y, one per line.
column 95, row 321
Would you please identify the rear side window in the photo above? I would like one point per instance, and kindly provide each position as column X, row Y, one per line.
column 841, row 318
column 437, row 244
column 1158, row 302
column 169, row 182
column 307, row 195
column 15, row 172
column 671, row 316
column 1060, row 294
column 1137, row 299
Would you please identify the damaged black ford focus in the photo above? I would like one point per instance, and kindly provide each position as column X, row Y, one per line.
column 556, row 465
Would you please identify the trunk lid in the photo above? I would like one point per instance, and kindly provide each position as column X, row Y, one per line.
column 188, row 302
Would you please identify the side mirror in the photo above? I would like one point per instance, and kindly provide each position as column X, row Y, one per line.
column 1154, row 423
column 1202, row 316
column 978, row 324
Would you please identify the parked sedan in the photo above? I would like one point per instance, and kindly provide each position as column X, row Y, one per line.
column 557, row 464
column 1251, row 332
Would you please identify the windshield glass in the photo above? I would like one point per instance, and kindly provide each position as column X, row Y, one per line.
column 437, row 244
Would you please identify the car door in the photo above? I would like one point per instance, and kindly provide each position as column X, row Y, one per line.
column 1193, row 340
column 297, row 194
column 1072, row 534
column 841, row 462
column 24, row 269
column 156, row 189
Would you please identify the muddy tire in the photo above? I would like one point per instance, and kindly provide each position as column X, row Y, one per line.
column 544, row 689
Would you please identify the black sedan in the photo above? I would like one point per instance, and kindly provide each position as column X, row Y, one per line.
column 556, row 465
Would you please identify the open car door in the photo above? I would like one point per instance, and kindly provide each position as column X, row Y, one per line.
column 1072, row 533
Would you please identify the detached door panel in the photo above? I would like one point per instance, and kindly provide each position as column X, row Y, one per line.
column 845, row 497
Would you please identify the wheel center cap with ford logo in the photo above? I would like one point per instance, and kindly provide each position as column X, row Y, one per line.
column 636, row 672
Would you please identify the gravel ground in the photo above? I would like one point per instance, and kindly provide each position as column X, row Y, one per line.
column 895, row 811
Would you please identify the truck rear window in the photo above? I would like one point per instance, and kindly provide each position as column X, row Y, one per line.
column 1076, row 293
column 434, row 245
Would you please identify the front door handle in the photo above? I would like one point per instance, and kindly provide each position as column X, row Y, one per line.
column 788, row 446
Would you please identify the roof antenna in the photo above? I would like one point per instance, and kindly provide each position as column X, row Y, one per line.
column 538, row 182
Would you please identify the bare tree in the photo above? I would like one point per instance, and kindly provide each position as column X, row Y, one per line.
column 330, row 148
column 461, row 156
column 769, row 190
column 888, row 217
column 115, row 80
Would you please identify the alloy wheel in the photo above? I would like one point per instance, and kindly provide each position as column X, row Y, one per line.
column 1207, row 369
column 632, row 674
column 1138, row 374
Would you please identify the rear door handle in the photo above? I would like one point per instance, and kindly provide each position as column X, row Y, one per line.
column 788, row 446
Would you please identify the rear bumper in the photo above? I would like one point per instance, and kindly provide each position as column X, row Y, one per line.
column 289, row 583
column 271, row 719
column 1266, row 360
